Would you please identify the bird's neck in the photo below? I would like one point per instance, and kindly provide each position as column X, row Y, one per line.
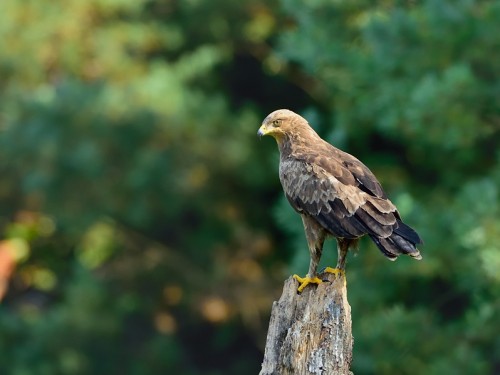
column 291, row 142
column 285, row 145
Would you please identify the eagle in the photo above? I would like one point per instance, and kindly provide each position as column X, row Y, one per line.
column 335, row 194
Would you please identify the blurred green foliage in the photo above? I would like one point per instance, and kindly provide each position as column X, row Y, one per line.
column 144, row 229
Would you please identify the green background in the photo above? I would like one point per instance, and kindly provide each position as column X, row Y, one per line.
column 144, row 230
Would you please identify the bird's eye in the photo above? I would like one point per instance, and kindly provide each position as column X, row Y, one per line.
column 276, row 123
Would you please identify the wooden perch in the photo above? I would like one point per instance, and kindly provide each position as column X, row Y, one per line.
column 310, row 333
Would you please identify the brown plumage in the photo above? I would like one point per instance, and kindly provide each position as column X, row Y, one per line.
column 335, row 194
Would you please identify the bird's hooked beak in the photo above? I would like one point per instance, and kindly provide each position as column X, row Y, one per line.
column 262, row 130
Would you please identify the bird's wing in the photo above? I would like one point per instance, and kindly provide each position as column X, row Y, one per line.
column 365, row 179
column 328, row 191
column 358, row 173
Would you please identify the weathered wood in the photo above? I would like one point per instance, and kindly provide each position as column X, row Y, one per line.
column 310, row 333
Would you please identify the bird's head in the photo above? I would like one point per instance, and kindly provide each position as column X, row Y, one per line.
column 279, row 123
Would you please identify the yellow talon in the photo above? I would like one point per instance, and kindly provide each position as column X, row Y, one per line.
column 305, row 281
column 335, row 271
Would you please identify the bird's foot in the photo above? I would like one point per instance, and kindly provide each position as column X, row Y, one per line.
column 335, row 271
column 305, row 281
column 338, row 272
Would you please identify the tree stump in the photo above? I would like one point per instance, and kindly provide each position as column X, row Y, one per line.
column 310, row 333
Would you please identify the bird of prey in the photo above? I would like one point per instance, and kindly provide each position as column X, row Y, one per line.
column 335, row 194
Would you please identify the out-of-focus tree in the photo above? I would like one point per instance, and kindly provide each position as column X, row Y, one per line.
column 130, row 181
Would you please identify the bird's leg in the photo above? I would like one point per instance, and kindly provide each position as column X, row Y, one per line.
column 315, row 239
column 342, row 248
column 311, row 277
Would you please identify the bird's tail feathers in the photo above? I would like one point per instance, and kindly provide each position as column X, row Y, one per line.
column 407, row 233
column 403, row 240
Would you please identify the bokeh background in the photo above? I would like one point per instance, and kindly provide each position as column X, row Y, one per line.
column 144, row 230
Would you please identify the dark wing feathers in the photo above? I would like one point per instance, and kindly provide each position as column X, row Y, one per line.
column 357, row 228
column 373, row 226
column 386, row 247
column 349, row 222
column 346, row 199
column 384, row 218
column 408, row 233
column 336, row 227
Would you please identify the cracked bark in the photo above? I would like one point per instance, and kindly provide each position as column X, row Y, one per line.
column 310, row 333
